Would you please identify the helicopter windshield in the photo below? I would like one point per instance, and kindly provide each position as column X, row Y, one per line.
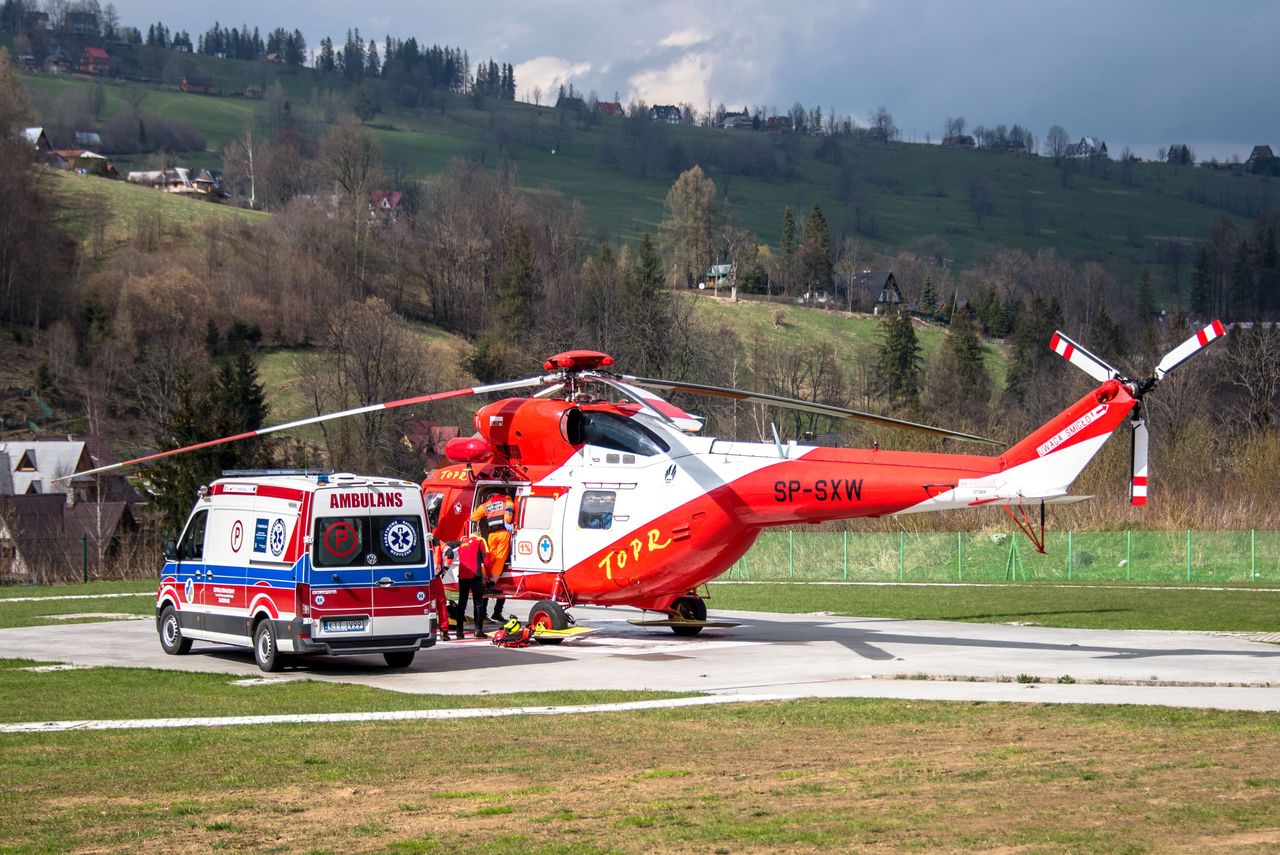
column 609, row 430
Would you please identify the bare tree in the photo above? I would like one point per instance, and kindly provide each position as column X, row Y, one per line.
column 1056, row 142
column 883, row 127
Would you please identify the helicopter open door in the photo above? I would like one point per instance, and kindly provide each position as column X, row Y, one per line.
column 538, row 546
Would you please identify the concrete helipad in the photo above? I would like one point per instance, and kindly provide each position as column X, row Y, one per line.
column 769, row 654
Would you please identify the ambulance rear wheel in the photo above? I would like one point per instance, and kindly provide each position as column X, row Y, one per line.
column 265, row 650
column 688, row 608
column 399, row 658
column 547, row 614
column 171, row 633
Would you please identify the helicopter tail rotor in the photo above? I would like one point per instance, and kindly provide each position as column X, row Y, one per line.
column 1103, row 372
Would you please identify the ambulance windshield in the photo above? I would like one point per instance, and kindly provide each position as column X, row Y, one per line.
column 370, row 541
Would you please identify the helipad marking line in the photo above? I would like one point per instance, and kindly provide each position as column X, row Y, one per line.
column 4, row 600
column 390, row 715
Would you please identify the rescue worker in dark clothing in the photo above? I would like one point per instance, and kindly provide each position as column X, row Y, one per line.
column 470, row 556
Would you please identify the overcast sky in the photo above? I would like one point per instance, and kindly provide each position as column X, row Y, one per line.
column 1138, row 72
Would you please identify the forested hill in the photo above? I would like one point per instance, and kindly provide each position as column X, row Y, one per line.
column 879, row 196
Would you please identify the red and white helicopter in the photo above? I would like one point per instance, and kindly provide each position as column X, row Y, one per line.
column 621, row 503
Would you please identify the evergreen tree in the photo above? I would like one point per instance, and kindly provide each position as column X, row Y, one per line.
column 372, row 65
column 1244, row 296
column 788, row 245
column 959, row 386
column 1146, row 298
column 1034, row 372
column 519, row 285
column 928, row 297
column 230, row 402
column 326, row 60
column 1106, row 338
column 1200, row 284
column 816, row 266
column 897, row 379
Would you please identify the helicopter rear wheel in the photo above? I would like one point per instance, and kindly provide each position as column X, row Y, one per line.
column 547, row 614
column 688, row 608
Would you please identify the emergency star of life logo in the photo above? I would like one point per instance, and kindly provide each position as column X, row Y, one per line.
column 399, row 539
column 276, row 539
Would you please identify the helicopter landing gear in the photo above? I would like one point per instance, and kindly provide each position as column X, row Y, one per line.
column 688, row 608
column 549, row 615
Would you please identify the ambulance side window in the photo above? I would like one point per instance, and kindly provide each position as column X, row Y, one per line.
column 192, row 546
column 339, row 541
column 597, row 509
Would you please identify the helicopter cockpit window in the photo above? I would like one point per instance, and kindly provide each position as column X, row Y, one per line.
column 597, row 509
column 609, row 430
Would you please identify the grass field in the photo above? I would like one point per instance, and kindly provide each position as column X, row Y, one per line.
column 800, row 776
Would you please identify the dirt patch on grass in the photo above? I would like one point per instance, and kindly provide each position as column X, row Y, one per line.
column 813, row 775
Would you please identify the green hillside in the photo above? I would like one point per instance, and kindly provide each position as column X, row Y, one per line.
column 884, row 197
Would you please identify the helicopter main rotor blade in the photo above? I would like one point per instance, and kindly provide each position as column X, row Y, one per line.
column 803, row 406
column 1087, row 362
column 355, row 411
column 1190, row 348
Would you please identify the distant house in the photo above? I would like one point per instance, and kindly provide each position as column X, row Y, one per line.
column 84, row 162
column 83, row 25
column 665, row 113
column 273, row 59
column 208, row 182
column 197, row 85
column 88, row 139
column 609, row 108
column 1087, row 147
column 737, row 121
column 58, row 62
column 960, row 141
column 1259, row 153
column 878, row 282
column 38, row 139
column 48, row 526
column 27, row 62
column 571, row 102
column 717, row 275
column 254, row 92
column 778, row 125
column 384, row 206
column 95, row 60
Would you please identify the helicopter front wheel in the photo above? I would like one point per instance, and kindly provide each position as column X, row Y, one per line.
column 688, row 608
column 547, row 614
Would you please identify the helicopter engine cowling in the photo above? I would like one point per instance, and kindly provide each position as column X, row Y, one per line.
column 528, row 431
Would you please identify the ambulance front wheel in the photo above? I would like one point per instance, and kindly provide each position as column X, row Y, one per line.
column 171, row 633
column 265, row 650
column 547, row 614
column 399, row 658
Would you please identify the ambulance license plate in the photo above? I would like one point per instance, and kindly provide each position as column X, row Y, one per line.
column 343, row 624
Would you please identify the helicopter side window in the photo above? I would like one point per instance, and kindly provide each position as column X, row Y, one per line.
column 537, row 512
column 609, row 430
column 597, row 509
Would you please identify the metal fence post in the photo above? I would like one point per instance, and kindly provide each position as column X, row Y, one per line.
column 1188, row 556
column 1253, row 554
column 1128, row 556
column 1071, row 561
column 959, row 556
column 902, row 555
column 84, row 557
column 791, row 552
column 846, row 556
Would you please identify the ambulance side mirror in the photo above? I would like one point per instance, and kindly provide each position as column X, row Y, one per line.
column 170, row 550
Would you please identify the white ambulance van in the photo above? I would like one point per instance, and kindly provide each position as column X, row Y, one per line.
column 301, row 564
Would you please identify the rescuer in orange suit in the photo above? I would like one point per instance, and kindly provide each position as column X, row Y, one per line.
column 500, row 511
